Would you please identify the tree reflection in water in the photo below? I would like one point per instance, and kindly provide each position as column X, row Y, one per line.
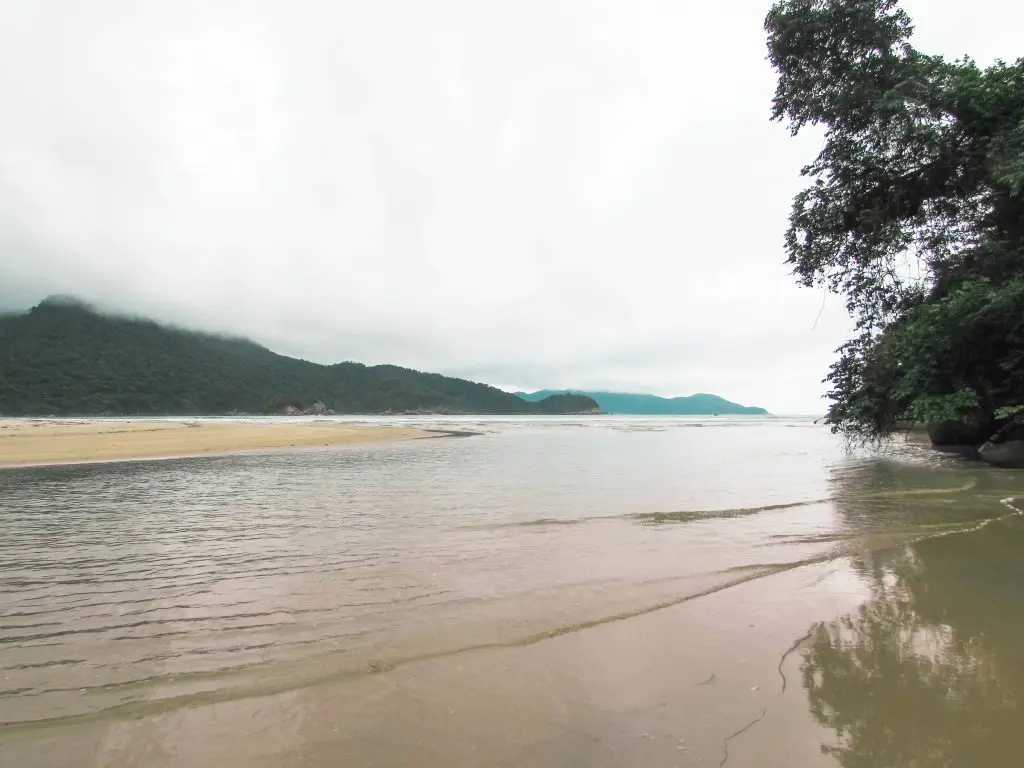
column 930, row 671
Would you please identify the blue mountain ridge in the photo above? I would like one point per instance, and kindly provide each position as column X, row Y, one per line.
column 628, row 403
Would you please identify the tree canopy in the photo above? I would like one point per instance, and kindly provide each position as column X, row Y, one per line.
column 914, row 213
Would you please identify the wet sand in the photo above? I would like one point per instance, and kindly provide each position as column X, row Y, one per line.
column 706, row 682
column 37, row 442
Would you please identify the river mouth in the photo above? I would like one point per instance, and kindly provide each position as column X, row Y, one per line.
column 541, row 595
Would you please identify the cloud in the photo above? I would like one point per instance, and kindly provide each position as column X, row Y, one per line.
column 557, row 193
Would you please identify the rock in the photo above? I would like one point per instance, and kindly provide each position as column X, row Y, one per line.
column 1006, row 454
column 1006, row 447
column 316, row 409
column 962, row 436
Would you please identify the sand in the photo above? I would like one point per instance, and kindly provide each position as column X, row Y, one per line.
column 25, row 442
column 698, row 684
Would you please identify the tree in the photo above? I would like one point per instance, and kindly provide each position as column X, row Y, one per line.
column 915, row 213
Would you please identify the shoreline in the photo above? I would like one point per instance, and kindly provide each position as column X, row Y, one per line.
column 26, row 443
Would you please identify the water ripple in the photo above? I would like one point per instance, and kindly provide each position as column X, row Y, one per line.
column 134, row 588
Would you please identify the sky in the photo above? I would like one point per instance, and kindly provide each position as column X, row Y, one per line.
column 535, row 194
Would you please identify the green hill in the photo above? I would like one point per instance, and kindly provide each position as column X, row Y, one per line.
column 65, row 358
column 651, row 405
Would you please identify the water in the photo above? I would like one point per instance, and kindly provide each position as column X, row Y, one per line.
column 599, row 591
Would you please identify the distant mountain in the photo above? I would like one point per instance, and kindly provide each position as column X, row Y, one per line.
column 651, row 405
column 65, row 358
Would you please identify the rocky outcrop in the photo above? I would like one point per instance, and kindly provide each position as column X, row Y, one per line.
column 962, row 436
column 1006, row 447
column 316, row 409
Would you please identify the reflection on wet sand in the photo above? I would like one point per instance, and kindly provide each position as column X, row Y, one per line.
column 930, row 670
column 667, row 688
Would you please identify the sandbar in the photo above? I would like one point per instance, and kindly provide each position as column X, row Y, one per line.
column 34, row 442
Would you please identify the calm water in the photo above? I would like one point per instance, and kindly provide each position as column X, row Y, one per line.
column 601, row 591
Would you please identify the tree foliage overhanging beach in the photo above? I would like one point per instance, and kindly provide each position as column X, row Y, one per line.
column 914, row 213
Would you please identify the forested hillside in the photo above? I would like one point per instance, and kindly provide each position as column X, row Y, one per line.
column 64, row 358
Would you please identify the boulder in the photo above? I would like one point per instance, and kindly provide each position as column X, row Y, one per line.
column 962, row 435
column 317, row 409
column 1006, row 447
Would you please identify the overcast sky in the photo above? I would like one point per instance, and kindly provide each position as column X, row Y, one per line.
column 538, row 193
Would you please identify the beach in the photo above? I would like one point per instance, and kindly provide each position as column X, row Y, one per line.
column 599, row 591
column 27, row 442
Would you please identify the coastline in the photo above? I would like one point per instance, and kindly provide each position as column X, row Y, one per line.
column 207, row 619
column 44, row 442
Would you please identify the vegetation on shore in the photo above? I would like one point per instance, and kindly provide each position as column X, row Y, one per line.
column 64, row 358
column 914, row 214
